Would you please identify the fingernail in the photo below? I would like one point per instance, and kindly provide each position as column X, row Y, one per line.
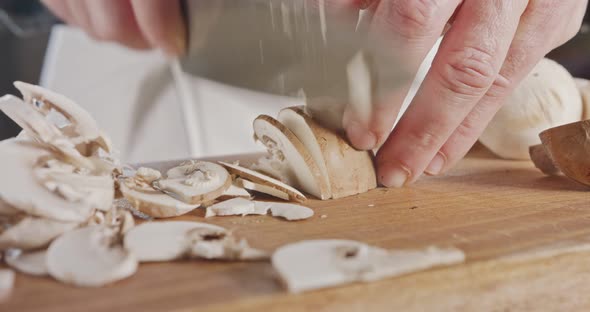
column 436, row 165
column 177, row 43
column 360, row 136
column 396, row 177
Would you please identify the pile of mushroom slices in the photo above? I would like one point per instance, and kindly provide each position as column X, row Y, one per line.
column 67, row 205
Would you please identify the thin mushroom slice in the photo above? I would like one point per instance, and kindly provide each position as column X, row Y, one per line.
column 303, row 170
column 7, row 278
column 196, row 182
column 290, row 212
column 221, row 245
column 163, row 241
column 346, row 170
column 311, row 265
column 542, row 160
column 19, row 162
column 31, row 233
column 31, row 263
column 237, row 189
column 264, row 189
column 233, row 207
column 584, row 88
column 89, row 257
column 82, row 126
column 568, row 147
column 261, row 179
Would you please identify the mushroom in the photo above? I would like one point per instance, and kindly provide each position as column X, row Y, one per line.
column 221, row 245
column 233, row 207
column 89, row 257
column 259, row 179
column 21, row 161
column 584, row 88
column 7, row 210
column 25, row 232
column 290, row 212
column 82, row 128
column 236, row 189
column 301, row 169
column 6, row 283
column 264, row 189
column 311, row 265
column 195, row 182
column 346, row 170
column 139, row 192
column 546, row 98
column 568, row 147
column 31, row 263
column 542, row 160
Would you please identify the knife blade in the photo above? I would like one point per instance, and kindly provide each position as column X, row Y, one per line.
column 292, row 48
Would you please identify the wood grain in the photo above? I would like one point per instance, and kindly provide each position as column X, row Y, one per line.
column 487, row 207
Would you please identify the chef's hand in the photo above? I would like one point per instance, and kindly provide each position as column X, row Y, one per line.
column 139, row 24
column 490, row 47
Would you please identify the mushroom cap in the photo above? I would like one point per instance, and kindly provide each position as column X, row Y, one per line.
column 156, row 204
column 31, row 263
column 32, row 233
column 163, row 241
column 87, row 257
column 546, row 98
column 542, row 161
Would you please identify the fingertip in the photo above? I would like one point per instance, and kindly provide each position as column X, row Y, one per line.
column 360, row 137
column 393, row 175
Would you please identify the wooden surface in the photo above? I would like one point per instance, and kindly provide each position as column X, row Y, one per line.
column 491, row 209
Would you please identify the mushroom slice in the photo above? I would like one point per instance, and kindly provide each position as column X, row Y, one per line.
column 154, row 203
column 82, row 126
column 264, row 189
column 6, row 283
column 303, row 170
column 237, row 189
column 221, row 245
column 196, row 182
column 31, row 263
column 584, row 88
column 24, row 192
column 163, row 241
column 257, row 178
column 31, row 233
column 290, row 212
column 347, row 171
column 89, row 257
column 311, row 265
column 7, row 210
column 233, row 207
column 119, row 219
column 542, row 161
column 568, row 147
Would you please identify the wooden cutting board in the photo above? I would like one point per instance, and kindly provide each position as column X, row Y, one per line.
column 505, row 215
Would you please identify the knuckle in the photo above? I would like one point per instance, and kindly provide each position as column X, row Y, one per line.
column 425, row 139
column 412, row 18
column 469, row 71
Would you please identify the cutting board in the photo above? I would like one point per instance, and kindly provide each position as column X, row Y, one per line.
column 525, row 236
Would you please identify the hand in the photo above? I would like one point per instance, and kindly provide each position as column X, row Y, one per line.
column 139, row 24
column 489, row 48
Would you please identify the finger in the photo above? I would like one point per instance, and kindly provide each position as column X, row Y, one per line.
column 531, row 42
column 468, row 62
column 61, row 9
column 162, row 24
column 411, row 28
column 80, row 15
column 113, row 20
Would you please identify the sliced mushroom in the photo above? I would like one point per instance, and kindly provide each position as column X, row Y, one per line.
column 196, row 182
column 89, row 257
column 221, row 245
column 236, row 190
column 264, row 189
column 25, row 232
column 6, row 283
column 290, row 212
column 584, row 88
column 7, row 210
column 311, row 265
column 304, row 172
column 163, row 241
column 154, row 203
column 233, row 207
column 261, row 179
column 120, row 220
column 82, row 128
column 347, row 171
column 542, row 160
column 568, row 147
column 24, row 192
column 31, row 263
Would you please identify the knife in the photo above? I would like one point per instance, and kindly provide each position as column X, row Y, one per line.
column 295, row 48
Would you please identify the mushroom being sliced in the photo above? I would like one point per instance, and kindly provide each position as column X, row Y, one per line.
column 346, row 170
column 31, row 233
column 261, row 179
column 290, row 212
column 311, row 265
column 568, row 147
column 542, row 160
column 20, row 160
column 163, row 241
column 31, row 263
column 584, row 88
column 89, row 257
column 303, row 170
column 196, row 182
column 82, row 127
